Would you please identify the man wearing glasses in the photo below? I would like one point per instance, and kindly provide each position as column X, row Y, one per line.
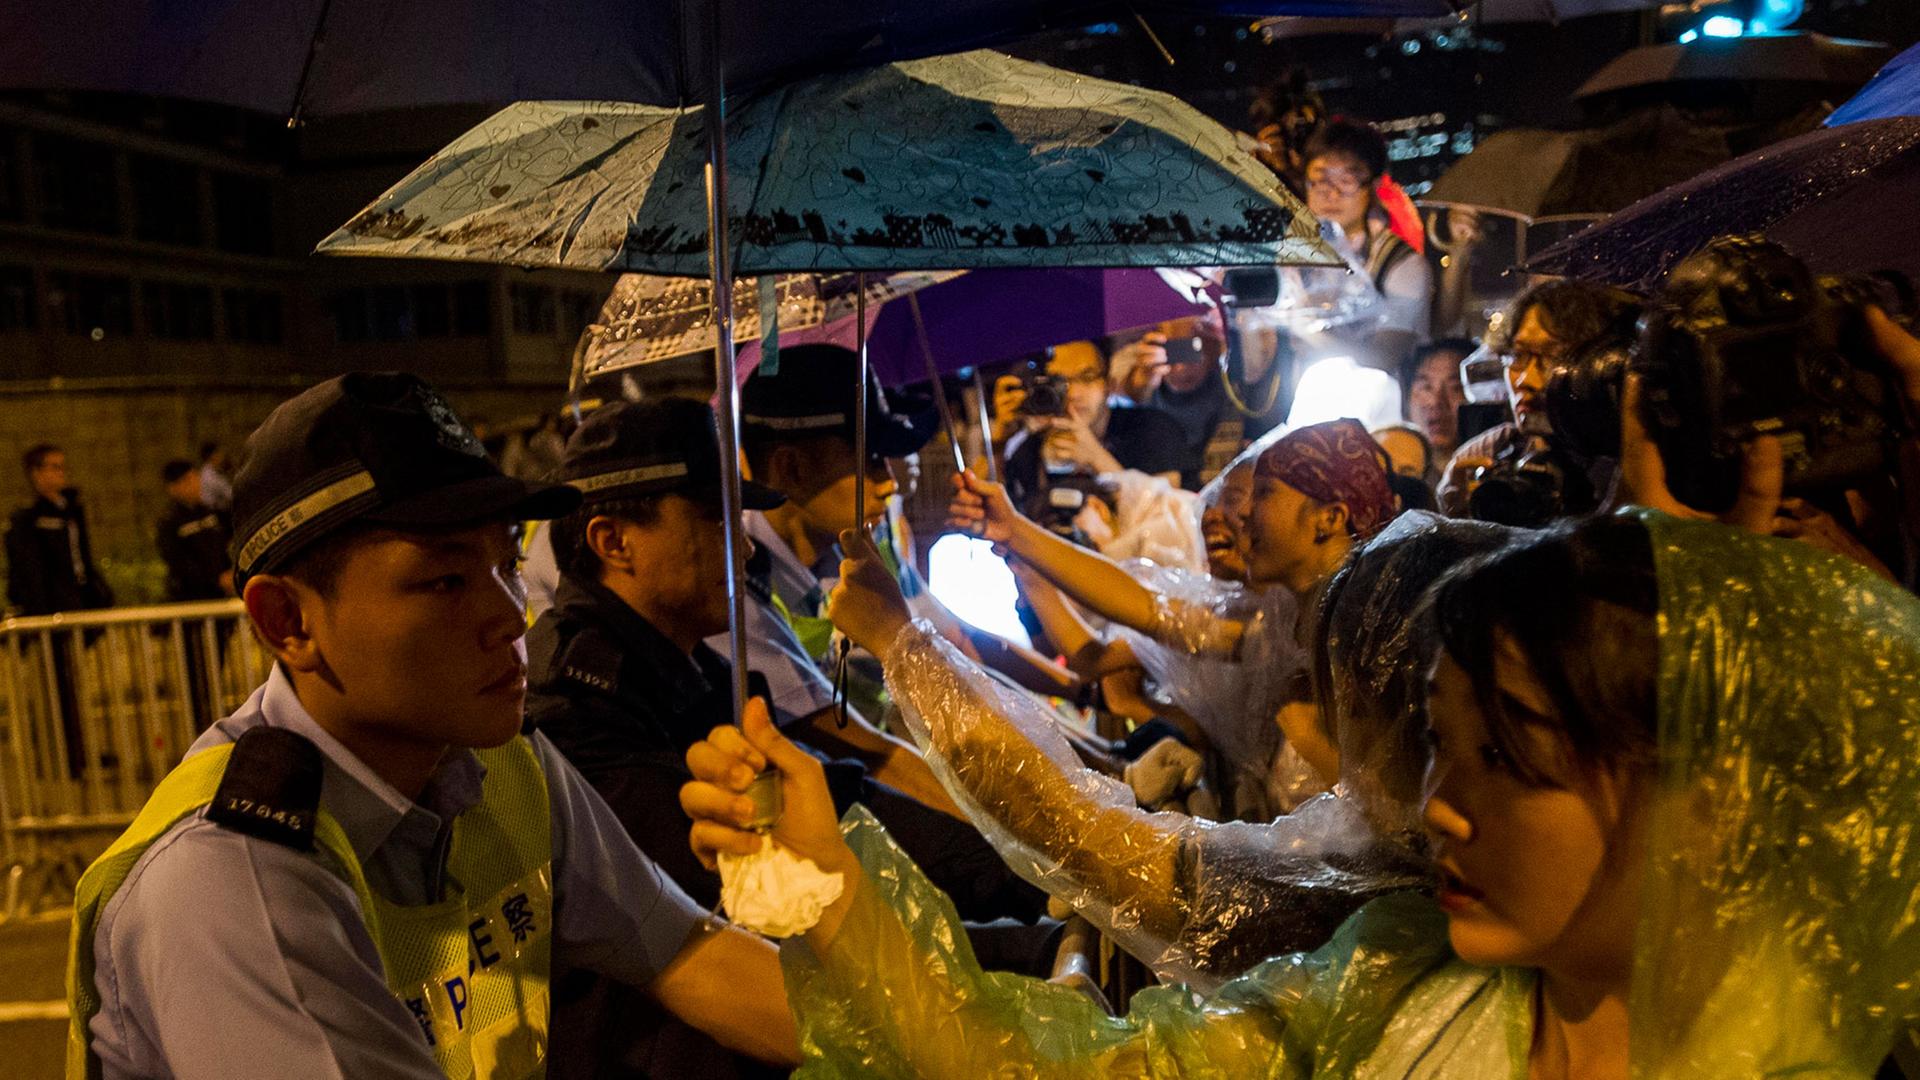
column 1078, row 431
column 1543, row 327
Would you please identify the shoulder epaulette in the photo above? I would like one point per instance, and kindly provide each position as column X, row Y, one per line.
column 271, row 788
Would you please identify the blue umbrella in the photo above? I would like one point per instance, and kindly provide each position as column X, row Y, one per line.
column 956, row 162
column 1895, row 91
column 1836, row 197
column 321, row 57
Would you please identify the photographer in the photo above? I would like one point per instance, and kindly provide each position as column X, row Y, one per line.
column 1544, row 327
column 1060, row 423
column 1791, row 416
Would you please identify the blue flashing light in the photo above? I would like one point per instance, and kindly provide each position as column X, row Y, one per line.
column 1723, row 26
column 1778, row 13
column 1689, row 37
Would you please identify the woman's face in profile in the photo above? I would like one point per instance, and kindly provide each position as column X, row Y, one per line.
column 1536, row 872
column 1223, row 524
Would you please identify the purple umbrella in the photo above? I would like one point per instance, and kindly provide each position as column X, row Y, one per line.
column 1838, row 198
column 975, row 318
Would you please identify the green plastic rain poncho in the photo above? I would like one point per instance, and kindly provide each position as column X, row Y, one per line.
column 1779, row 934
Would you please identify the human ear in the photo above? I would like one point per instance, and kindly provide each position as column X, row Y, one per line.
column 1329, row 521
column 608, row 541
column 281, row 611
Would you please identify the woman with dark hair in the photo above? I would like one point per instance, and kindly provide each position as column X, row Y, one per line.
column 1675, row 772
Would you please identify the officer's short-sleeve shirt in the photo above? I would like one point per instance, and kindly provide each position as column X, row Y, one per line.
column 226, row 955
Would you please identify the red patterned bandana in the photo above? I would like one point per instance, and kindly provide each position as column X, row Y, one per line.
column 1334, row 462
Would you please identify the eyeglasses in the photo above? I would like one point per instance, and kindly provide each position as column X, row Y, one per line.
column 1086, row 378
column 1522, row 359
column 1340, row 183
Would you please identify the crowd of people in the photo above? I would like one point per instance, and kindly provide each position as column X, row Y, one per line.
column 1550, row 747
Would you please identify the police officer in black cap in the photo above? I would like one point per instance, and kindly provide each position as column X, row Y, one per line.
column 367, row 870
column 622, row 683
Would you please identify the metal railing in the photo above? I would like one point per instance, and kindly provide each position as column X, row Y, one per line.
column 95, row 708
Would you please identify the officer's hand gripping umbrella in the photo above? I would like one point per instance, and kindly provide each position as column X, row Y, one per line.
column 961, row 162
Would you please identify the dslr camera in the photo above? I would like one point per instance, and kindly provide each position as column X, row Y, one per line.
column 1046, row 394
column 1530, row 488
column 1746, row 341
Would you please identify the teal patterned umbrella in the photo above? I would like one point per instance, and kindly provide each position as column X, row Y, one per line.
column 958, row 162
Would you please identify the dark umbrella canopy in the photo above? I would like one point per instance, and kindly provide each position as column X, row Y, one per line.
column 331, row 57
column 1791, row 57
column 1532, row 173
column 1838, row 198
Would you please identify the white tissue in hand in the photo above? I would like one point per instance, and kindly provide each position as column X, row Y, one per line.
column 775, row 892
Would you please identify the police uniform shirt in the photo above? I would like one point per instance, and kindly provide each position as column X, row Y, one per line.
column 193, row 543
column 798, row 686
column 50, row 559
column 225, row 955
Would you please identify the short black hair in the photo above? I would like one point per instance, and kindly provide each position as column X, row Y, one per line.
column 573, row 554
column 173, row 470
column 1577, row 313
column 37, row 455
column 318, row 565
column 1581, row 602
column 1356, row 139
column 759, row 442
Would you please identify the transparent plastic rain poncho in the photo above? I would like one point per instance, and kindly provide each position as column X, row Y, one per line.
column 1196, row 900
column 1153, row 520
column 1370, row 658
column 1231, row 691
column 1778, row 934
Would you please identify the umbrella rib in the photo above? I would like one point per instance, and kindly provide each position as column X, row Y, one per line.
column 760, row 173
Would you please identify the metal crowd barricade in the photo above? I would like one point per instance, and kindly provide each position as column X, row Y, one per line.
column 95, row 708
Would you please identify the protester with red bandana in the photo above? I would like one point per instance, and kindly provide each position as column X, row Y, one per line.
column 1317, row 491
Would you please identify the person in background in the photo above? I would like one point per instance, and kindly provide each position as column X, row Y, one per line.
column 1435, row 394
column 1175, row 368
column 192, row 538
column 1545, row 326
column 1345, row 163
column 216, row 487
column 1284, row 118
column 50, row 565
column 1088, row 436
column 1407, row 449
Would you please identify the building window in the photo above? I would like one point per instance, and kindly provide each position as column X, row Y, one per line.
column 243, row 214
column 11, row 207
column 166, row 201
column 255, row 316
column 176, row 311
column 472, row 309
column 19, row 303
column 91, row 305
column 432, row 311
column 534, row 309
column 78, row 186
column 577, row 310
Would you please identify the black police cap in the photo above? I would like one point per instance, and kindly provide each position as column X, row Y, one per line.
column 369, row 447
column 815, row 392
column 649, row 448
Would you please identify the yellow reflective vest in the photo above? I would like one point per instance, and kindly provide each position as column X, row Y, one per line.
column 472, row 969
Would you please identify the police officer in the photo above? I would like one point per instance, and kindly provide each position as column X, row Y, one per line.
column 49, row 555
column 367, row 870
column 192, row 538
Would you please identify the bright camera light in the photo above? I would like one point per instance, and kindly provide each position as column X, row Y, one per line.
column 1723, row 26
column 1338, row 387
column 964, row 574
